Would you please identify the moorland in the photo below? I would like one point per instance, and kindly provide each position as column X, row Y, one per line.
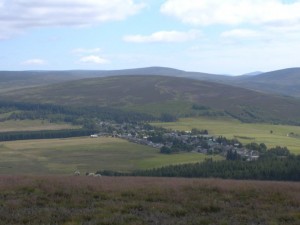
column 110, row 200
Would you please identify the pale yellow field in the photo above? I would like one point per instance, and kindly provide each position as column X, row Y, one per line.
column 64, row 156
column 33, row 125
column 244, row 132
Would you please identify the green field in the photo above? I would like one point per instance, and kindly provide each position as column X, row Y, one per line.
column 64, row 156
column 271, row 135
column 33, row 125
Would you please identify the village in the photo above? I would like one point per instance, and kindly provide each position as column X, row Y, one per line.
column 173, row 141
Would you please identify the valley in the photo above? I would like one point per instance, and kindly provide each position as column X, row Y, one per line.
column 138, row 136
column 139, row 112
column 73, row 110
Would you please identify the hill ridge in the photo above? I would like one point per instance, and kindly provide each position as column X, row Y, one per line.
column 164, row 93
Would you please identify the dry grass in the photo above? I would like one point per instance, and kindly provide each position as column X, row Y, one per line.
column 128, row 200
column 33, row 125
column 64, row 156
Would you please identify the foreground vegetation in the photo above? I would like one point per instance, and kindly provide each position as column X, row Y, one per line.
column 271, row 135
column 121, row 201
column 64, row 156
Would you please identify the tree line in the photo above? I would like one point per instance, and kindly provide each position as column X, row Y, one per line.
column 45, row 134
column 74, row 114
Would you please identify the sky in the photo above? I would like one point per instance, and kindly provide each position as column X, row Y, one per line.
column 214, row 36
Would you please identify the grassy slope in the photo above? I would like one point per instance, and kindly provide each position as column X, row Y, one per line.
column 285, row 82
column 141, row 201
column 32, row 125
column 13, row 80
column 64, row 156
column 233, row 128
column 158, row 92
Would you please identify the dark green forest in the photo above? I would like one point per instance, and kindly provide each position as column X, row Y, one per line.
column 71, row 114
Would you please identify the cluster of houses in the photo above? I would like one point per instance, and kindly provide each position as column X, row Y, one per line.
column 156, row 137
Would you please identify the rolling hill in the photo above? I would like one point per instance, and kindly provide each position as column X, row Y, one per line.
column 163, row 94
column 284, row 82
column 12, row 80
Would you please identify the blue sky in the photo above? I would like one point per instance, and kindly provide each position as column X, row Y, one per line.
column 215, row 36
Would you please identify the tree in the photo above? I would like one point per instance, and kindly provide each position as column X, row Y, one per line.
column 165, row 150
column 233, row 155
column 165, row 117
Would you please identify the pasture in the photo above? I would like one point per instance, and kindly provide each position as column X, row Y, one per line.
column 33, row 125
column 271, row 135
column 64, row 156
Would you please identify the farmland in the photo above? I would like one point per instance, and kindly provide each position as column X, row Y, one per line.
column 271, row 135
column 33, row 125
column 64, row 156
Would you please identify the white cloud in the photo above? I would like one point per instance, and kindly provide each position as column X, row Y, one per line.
column 79, row 51
column 234, row 12
column 93, row 59
column 163, row 36
column 241, row 33
column 34, row 62
column 19, row 15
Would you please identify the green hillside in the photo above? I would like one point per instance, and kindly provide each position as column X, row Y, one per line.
column 156, row 94
column 12, row 80
column 284, row 82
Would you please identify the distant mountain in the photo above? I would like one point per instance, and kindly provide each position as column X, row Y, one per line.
column 283, row 82
column 253, row 73
column 164, row 94
column 12, row 80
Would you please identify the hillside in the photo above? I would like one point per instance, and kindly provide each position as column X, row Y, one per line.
column 164, row 94
column 146, row 201
column 284, row 82
column 12, row 80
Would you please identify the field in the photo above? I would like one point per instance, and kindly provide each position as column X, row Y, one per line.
column 271, row 135
column 64, row 156
column 146, row 201
column 33, row 125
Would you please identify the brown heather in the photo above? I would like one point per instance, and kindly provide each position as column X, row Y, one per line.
column 136, row 200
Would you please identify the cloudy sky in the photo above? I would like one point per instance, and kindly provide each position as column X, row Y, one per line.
column 215, row 36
